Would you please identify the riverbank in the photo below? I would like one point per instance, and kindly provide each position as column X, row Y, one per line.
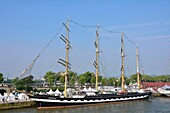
column 156, row 95
column 159, row 95
column 16, row 104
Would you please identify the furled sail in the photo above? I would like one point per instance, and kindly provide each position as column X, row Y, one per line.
column 28, row 70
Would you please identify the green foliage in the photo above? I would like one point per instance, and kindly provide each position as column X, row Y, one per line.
column 100, row 78
column 62, row 79
column 72, row 77
column 93, row 80
column 105, row 82
column 127, row 81
column 112, row 81
column 82, row 79
column 86, row 78
column 28, row 79
column 50, row 77
column 14, row 81
column 73, row 80
column 41, row 90
column 59, row 88
column 147, row 78
column 1, row 77
column 23, row 84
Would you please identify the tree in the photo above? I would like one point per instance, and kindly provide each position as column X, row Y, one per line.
column 127, row 81
column 100, row 78
column 82, row 80
column 112, row 81
column 86, row 77
column 20, row 85
column 49, row 73
column 23, row 84
column 72, row 76
column 73, row 80
column 1, row 77
column 50, row 77
column 92, row 80
column 14, row 81
column 28, row 79
column 104, row 82
column 62, row 79
column 133, row 78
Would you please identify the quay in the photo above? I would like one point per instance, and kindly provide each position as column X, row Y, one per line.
column 10, row 101
column 16, row 104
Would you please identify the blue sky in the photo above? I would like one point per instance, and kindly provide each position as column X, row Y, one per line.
column 27, row 26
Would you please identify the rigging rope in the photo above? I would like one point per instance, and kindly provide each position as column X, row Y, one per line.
column 28, row 69
column 109, row 30
column 92, row 26
column 83, row 25
column 103, row 29
column 129, row 39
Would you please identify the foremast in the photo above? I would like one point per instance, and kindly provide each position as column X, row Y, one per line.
column 122, row 65
column 65, row 62
column 137, row 67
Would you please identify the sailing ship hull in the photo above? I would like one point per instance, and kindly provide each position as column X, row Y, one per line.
column 52, row 101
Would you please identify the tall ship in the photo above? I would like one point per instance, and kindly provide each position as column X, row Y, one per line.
column 92, row 96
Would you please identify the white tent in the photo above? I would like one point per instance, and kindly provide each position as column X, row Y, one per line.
column 11, row 97
column 84, row 89
column 50, row 92
column 23, row 96
column 40, row 93
column 57, row 92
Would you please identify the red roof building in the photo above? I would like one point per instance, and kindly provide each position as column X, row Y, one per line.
column 154, row 84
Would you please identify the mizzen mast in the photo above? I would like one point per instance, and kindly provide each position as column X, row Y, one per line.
column 122, row 65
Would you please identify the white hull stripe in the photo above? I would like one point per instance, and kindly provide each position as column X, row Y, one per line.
column 89, row 101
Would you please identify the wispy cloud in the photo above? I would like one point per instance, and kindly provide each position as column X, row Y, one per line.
column 155, row 38
column 167, row 23
column 134, row 25
column 138, row 25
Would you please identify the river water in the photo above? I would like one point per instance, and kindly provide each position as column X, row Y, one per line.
column 154, row 105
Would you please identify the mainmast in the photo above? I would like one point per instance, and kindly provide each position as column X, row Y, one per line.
column 96, row 63
column 137, row 66
column 122, row 66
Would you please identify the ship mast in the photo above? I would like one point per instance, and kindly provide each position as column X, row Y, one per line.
column 65, row 62
column 96, row 63
column 67, row 57
column 122, row 65
column 137, row 66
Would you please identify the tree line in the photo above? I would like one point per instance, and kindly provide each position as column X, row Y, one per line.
column 52, row 79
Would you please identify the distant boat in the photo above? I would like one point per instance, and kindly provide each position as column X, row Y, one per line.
column 165, row 90
column 86, row 96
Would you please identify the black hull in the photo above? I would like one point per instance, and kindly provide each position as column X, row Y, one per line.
column 53, row 101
